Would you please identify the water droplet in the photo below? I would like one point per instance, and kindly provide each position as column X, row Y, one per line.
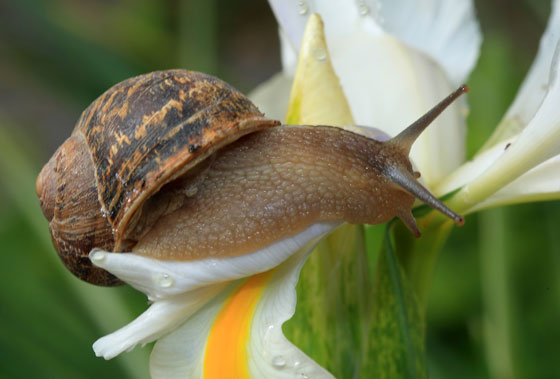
column 377, row 13
column 302, row 375
column 97, row 255
column 303, row 8
column 278, row 362
column 320, row 54
column 363, row 8
column 164, row 280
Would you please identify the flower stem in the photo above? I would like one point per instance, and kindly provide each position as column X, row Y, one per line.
column 495, row 284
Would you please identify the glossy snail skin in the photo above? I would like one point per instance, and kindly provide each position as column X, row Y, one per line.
column 272, row 184
column 178, row 165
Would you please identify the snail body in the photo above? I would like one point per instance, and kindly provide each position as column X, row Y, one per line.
column 179, row 165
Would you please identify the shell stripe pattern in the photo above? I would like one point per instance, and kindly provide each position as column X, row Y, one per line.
column 148, row 130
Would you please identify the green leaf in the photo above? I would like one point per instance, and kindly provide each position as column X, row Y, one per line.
column 396, row 348
column 334, row 294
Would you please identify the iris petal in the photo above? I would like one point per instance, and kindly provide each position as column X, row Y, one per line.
column 445, row 30
column 181, row 288
column 163, row 279
column 239, row 333
column 535, row 85
column 161, row 318
column 541, row 183
column 538, row 142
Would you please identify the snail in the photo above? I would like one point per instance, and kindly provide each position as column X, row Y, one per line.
column 179, row 165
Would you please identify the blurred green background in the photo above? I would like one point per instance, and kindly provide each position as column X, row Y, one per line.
column 495, row 303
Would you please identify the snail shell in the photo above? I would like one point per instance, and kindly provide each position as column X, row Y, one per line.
column 137, row 136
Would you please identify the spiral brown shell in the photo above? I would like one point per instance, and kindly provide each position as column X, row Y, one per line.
column 139, row 135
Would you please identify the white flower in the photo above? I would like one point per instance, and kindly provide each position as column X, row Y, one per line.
column 521, row 160
column 395, row 60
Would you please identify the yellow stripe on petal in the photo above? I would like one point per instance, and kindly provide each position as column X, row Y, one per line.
column 317, row 97
column 226, row 351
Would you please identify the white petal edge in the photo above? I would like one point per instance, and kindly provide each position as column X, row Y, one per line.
column 542, row 183
column 534, row 87
column 538, row 142
column 445, row 30
column 181, row 354
column 161, row 279
column 159, row 319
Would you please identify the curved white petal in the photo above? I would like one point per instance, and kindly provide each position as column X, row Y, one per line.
column 162, row 279
column 263, row 353
column 162, row 317
column 538, row 142
column 538, row 184
column 445, row 30
column 181, row 288
column 535, row 85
